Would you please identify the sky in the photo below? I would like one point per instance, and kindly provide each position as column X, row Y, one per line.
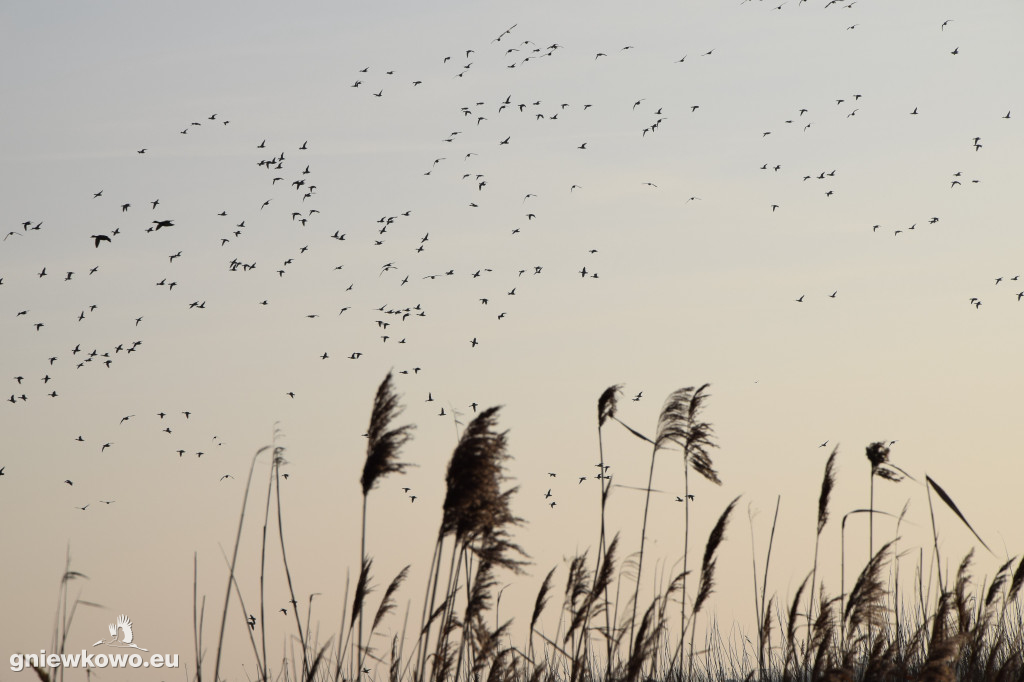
column 738, row 194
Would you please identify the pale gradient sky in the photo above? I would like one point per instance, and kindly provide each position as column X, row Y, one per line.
column 688, row 291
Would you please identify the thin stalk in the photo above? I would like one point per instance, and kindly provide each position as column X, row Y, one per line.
column 197, row 622
column 871, row 538
column 768, row 557
column 686, row 546
column 287, row 571
column 601, row 549
column 263, row 565
column 689, row 665
column 842, row 583
column 453, row 588
column 342, row 645
column 426, row 623
column 405, row 625
column 643, row 538
column 871, row 519
column 935, row 538
column 767, row 563
column 810, row 604
column 362, row 554
column 467, row 560
column 827, row 483
column 444, row 617
column 234, row 559
column 252, row 637
column 757, row 610
column 896, row 577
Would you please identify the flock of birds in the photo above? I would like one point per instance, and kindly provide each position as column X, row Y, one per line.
column 292, row 195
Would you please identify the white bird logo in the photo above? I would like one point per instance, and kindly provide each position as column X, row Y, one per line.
column 123, row 623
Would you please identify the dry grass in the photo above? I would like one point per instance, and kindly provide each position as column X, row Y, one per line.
column 966, row 632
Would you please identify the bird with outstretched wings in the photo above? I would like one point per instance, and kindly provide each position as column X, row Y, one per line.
column 124, row 624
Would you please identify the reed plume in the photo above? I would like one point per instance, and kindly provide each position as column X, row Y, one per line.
column 542, row 598
column 589, row 604
column 828, row 482
column 867, row 598
column 1017, row 582
column 707, row 573
column 643, row 648
column 680, row 424
column 881, row 658
column 981, row 636
column 474, row 504
column 790, row 662
column 707, row 568
column 878, row 455
column 822, row 635
column 387, row 604
column 384, row 442
column 764, row 635
column 383, row 446
column 478, row 514
column 363, row 588
column 998, row 582
column 395, row 669
column 607, row 404
column 538, row 607
column 944, row 645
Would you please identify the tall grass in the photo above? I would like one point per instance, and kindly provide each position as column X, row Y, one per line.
column 966, row 631
column 607, row 405
column 828, row 482
column 383, row 445
column 679, row 424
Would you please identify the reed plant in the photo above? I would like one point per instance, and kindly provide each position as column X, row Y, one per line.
column 966, row 630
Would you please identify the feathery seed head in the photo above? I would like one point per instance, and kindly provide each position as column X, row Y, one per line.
column 827, row 483
column 383, row 442
column 877, row 454
column 680, row 423
column 475, row 507
column 607, row 404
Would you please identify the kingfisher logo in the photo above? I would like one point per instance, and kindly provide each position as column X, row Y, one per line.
column 122, row 636
column 124, row 624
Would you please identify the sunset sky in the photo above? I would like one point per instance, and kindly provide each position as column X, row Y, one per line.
column 816, row 267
